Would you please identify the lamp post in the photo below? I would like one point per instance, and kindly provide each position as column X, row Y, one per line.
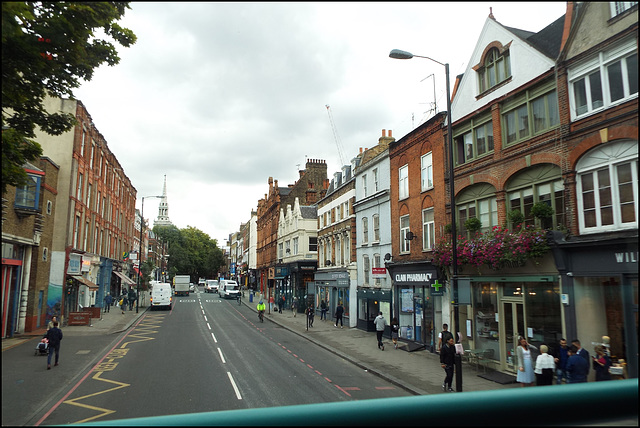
column 399, row 54
column 141, row 243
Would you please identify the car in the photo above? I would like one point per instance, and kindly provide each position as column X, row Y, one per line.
column 229, row 289
column 202, row 283
column 192, row 287
column 211, row 286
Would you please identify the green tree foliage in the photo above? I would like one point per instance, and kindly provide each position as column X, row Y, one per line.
column 47, row 48
column 191, row 252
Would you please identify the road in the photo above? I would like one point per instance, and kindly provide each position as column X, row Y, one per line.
column 206, row 354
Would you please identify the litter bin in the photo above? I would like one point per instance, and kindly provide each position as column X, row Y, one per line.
column 250, row 297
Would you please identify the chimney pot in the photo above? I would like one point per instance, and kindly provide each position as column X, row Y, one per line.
column 384, row 132
column 389, row 133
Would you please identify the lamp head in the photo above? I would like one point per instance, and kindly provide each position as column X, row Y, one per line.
column 399, row 54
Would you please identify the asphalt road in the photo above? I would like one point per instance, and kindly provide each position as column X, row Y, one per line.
column 206, row 354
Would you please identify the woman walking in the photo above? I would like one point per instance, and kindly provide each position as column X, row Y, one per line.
column 395, row 328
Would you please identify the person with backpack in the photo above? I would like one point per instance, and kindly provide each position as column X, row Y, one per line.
column 54, row 336
column 444, row 335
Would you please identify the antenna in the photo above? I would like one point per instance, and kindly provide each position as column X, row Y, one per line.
column 435, row 105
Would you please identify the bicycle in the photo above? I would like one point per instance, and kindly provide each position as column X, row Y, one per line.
column 239, row 299
column 261, row 316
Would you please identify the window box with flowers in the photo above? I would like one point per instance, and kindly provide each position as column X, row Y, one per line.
column 496, row 249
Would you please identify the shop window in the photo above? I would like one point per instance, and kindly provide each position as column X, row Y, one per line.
column 543, row 309
column 485, row 302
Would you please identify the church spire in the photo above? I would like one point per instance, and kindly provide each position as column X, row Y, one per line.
column 163, row 208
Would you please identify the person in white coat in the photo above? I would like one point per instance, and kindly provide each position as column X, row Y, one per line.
column 380, row 324
column 545, row 367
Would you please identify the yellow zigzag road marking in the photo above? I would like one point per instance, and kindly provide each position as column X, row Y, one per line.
column 149, row 325
column 104, row 412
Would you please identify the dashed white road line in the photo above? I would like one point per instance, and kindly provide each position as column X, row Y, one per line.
column 221, row 356
column 235, row 388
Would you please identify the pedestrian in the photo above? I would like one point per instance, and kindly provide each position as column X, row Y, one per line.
column 271, row 302
column 583, row 353
column 107, row 302
column 323, row 310
column 577, row 367
column 282, row 303
column 132, row 298
column 339, row 313
column 294, row 306
column 443, row 336
column 54, row 336
column 601, row 364
column 54, row 319
column 395, row 329
column 526, row 358
column 447, row 360
column 545, row 367
column 310, row 314
column 121, row 302
column 561, row 356
column 380, row 324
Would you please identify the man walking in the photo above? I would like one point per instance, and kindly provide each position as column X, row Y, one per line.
column 339, row 312
column 444, row 336
column 380, row 324
column 577, row 367
column 447, row 360
column 583, row 353
column 561, row 356
column 54, row 336
column 107, row 302
column 132, row 298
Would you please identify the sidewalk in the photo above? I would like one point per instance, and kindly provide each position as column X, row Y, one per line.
column 109, row 323
column 418, row 372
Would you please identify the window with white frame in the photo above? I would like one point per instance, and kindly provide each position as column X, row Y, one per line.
column 426, row 171
column 404, row 230
column 365, row 230
column 364, row 186
column 95, row 241
column 93, row 150
column 76, row 232
column 280, row 250
column 347, row 247
column 617, row 7
column 428, row 229
column 287, row 247
column 376, row 264
column 375, row 180
column 366, row 269
column 607, row 188
column 79, row 188
column 346, row 209
column 376, row 228
column 89, row 196
column 86, row 236
column 403, row 181
column 295, row 246
column 608, row 79
column 83, row 142
column 477, row 201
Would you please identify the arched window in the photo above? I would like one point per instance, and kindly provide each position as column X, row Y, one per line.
column 541, row 183
column 496, row 69
column 607, row 188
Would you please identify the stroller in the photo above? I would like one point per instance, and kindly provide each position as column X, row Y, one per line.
column 42, row 348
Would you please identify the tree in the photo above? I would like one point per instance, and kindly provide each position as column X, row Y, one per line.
column 47, row 47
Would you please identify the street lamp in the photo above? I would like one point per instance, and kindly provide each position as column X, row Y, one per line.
column 140, row 258
column 399, row 54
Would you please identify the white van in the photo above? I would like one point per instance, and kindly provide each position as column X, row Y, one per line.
column 228, row 289
column 161, row 295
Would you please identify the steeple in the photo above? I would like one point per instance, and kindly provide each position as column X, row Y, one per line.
column 163, row 208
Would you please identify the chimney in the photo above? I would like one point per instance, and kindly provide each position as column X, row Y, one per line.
column 384, row 132
column 384, row 140
column 360, row 150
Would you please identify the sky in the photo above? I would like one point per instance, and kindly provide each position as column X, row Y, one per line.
column 218, row 97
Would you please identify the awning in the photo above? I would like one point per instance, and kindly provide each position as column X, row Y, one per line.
column 125, row 278
column 86, row 282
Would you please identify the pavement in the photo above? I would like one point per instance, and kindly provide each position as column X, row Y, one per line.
column 418, row 372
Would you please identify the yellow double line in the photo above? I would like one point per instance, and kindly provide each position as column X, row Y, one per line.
column 142, row 333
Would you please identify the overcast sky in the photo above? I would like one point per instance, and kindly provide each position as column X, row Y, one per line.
column 221, row 96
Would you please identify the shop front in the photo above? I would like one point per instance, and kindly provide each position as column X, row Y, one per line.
column 301, row 276
column 333, row 288
column 600, row 295
column 416, row 298
column 283, row 284
column 370, row 302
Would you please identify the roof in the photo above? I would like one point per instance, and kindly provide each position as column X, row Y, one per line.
column 309, row 212
column 548, row 40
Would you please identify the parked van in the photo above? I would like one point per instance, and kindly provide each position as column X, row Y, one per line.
column 161, row 295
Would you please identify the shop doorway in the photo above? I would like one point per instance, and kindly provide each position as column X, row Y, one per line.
column 513, row 326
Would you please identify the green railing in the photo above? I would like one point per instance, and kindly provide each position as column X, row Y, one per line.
column 611, row 402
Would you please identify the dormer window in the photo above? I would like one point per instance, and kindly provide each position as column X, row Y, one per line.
column 494, row 70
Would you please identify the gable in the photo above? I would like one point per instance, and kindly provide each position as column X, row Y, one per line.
column 526, row 62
